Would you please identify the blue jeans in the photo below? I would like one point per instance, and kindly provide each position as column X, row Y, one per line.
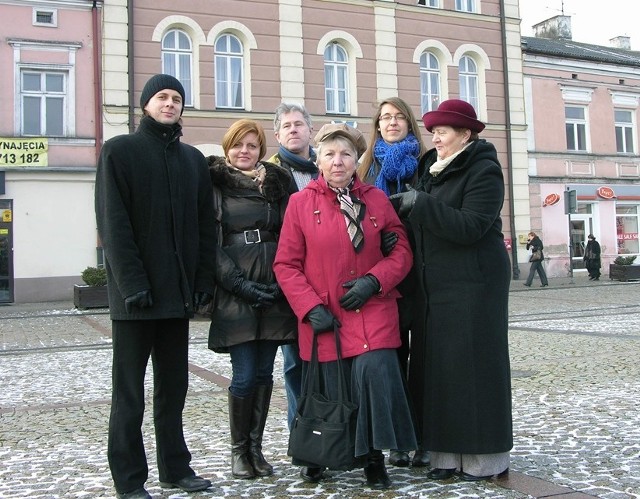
column 252, row 365
column 292, row 378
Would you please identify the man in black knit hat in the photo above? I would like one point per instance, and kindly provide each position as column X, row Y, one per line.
column 153, row 208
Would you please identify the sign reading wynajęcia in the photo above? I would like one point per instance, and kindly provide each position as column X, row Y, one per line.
column 24, row 152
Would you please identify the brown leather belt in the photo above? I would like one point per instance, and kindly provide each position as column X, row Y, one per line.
column 254, row 236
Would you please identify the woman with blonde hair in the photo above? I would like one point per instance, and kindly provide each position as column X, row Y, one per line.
column 251, row 317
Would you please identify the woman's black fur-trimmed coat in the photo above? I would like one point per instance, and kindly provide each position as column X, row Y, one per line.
column 238, row 206
column 459, row 377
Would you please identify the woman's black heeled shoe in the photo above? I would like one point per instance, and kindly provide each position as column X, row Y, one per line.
column 441, row 473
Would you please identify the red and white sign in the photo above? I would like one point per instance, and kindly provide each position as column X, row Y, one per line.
column 606, row 192
column 551, row 199
column 628, row 236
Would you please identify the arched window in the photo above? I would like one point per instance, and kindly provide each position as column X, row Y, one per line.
column 228, row 56
column 429, row 81
column 177, row 60
column 468, row 74
column 336, row 79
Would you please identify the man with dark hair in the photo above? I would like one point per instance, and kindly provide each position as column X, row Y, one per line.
column 154, row 213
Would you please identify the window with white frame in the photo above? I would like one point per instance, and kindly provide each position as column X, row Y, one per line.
column 43, row 96
column 468, row 76
column 466, row 5
column 45, row 17
column 624, row 130
column 429, row 82
column 576, row 128
column 229, row 72
column 177, row 59
column 627, row 224
column 429, row 3
column 336, row 79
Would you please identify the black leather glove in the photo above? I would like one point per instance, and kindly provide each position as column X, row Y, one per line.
column 388, row 241
column 254, row 293
column 141, row 299
column 321, row 319
column 403, row 202
column 201, row 299
column 361, row 290
column 275, row 290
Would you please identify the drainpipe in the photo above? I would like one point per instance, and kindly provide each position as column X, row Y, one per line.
column 130, row 66
column 97, row 79
column 507, row 108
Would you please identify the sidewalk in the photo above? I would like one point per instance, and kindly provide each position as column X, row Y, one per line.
column 575, row 376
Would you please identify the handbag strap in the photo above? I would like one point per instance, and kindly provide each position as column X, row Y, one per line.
column 312, row 381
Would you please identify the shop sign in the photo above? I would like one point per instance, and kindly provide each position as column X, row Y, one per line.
column 606, row 192
column 6, row 216
column 551, row 199
column 628, row 236
column 507, row 244
column 24, row 152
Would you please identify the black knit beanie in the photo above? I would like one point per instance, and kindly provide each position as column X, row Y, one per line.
column 157, row 83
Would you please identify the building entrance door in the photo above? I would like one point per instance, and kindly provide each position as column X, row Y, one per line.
column 6, row 251
column 581, row 227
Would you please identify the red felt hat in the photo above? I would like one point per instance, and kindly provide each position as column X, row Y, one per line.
column 456, row 113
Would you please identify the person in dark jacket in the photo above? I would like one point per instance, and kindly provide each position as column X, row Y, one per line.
column 536, row 259
column 459, row 374
column 391, row 164
column 153, row 209
column 251, row 318
column 333, row 272
column 592, row 258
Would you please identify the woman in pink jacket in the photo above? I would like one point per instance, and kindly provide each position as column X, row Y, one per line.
column 331, row 268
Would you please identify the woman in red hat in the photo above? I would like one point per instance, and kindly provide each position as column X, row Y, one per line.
column 459, row 372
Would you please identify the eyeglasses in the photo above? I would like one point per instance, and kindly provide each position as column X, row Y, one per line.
column 388, row 117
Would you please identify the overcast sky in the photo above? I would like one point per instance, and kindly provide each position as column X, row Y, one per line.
column 592, row 21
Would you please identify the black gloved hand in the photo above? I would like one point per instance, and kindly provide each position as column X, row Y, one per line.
column 361, row 290
column 201, row 299
column 403, row 202
column 322, row 319
column 388, row 241
column 254, row 293
column 141, row 299
column 275, row 290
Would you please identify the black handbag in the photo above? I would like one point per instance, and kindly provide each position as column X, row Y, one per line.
column 324, row 431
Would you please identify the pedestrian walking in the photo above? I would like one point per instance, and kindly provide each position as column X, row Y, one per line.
column 592, row 258
column 537, row 257
column 158, row 273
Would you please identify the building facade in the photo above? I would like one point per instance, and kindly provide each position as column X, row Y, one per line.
column 50, row 105
column 582, row 105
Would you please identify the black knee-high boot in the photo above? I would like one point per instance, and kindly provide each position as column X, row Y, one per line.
column 261, row 402
column 376, row 472
column 240, row 412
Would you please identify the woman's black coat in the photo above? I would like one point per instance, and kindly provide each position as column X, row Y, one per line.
column 238, row 206
column 153, row 210
column 536, row 245
column 459, row 369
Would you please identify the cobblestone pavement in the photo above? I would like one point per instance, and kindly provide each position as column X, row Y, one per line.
column 576, row 384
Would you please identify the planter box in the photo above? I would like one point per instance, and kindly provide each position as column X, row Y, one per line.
column 90, row 296
column 624, row 272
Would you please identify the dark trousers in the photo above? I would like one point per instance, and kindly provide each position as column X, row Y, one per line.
column 537, row 267
column 166, row 341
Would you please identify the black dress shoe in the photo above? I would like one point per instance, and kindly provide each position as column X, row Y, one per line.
column 377, row 477
column 136, row 494
column 420, row 459
column 310, row 474
column 473, row 478
column 441, row 473
column 188, row 484
column 527, row 285
column 543, row 285
column 399, row 458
